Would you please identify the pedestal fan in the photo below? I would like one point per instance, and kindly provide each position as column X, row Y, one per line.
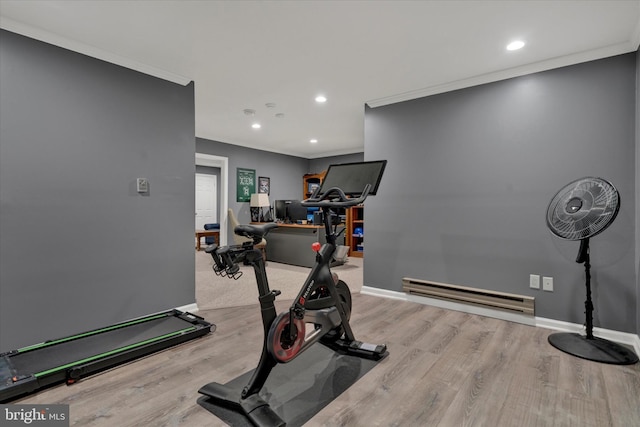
column 582, row 209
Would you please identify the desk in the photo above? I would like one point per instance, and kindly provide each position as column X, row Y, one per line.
column 291, row 243
column 206, row 233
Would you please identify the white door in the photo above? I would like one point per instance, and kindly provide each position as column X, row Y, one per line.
column 206, row 209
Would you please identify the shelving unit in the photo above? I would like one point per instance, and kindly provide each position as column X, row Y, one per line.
column 310, row 181
column 355, row 216
column 355, row 231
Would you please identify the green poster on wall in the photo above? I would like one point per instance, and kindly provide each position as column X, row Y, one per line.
column 246, row 182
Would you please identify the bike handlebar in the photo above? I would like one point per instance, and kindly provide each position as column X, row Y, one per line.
column 335, row 198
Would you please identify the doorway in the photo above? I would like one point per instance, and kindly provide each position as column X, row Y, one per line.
column 206, row 195
column 223, row 164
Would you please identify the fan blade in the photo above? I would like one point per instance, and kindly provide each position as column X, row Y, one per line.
column 583, row 208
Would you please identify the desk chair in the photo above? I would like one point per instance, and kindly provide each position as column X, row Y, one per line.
column 238, row 240
column 210, row 240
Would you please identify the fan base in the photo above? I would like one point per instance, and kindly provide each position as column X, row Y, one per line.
column 595, row 349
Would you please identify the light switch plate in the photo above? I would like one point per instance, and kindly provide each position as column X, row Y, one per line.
column 142, row 185
column 534, row 281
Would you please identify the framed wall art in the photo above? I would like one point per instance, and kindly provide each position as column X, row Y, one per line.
column 246, row 184
column 264, row 185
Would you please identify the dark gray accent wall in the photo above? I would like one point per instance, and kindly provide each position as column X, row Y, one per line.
column 637, row 181
column 79, row 247
column 470, row 176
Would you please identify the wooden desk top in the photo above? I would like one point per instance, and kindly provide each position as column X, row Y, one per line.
column 285, row 225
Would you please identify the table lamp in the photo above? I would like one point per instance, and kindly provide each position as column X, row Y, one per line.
column 259, row 201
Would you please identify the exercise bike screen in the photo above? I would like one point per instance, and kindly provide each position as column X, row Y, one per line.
column 353, row 177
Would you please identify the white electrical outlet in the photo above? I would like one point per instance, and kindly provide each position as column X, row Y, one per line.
column 547, row 284
column 534, row 281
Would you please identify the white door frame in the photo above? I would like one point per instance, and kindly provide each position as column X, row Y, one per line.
column 223, row 164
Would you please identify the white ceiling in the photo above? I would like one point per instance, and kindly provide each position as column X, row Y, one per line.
column 245, row 54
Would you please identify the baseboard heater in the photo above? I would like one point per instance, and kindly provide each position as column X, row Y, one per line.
column 465, row 295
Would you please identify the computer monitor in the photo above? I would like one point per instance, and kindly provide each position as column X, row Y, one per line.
column 280, row 208
column 353, row 177
column 296, row 212
column 290, row 211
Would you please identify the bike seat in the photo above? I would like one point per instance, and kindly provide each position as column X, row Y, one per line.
column 254, row 231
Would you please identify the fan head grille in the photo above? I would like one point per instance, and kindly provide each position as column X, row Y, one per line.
column 583, row 208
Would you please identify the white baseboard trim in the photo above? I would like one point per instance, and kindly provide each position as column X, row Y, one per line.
column 608, row 334
column 472, row 309
column 558, row 325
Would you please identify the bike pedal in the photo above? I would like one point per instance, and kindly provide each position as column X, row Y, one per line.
column 236, row 275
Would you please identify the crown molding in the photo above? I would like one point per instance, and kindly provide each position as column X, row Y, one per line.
column 92, row 51
column 287, row 152
column 336, row 153
column 536, row 67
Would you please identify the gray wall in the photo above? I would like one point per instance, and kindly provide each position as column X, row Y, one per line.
column 322, row 164
column 637, row 181
column 285, row 172
column 80, row 248
column 470, row 176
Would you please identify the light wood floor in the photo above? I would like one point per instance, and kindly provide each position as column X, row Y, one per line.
column 445, row 368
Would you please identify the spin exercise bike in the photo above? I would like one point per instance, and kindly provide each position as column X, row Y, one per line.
column 324, row 301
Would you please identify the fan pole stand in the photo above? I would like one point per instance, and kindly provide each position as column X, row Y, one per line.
column 590, row 347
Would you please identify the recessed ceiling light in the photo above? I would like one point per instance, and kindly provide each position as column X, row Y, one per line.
column 313, row 141
column 280, row 115
column 515, row 45
column 256, row 126
column 270, row 105
column 321, row 98
column 249, row 112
